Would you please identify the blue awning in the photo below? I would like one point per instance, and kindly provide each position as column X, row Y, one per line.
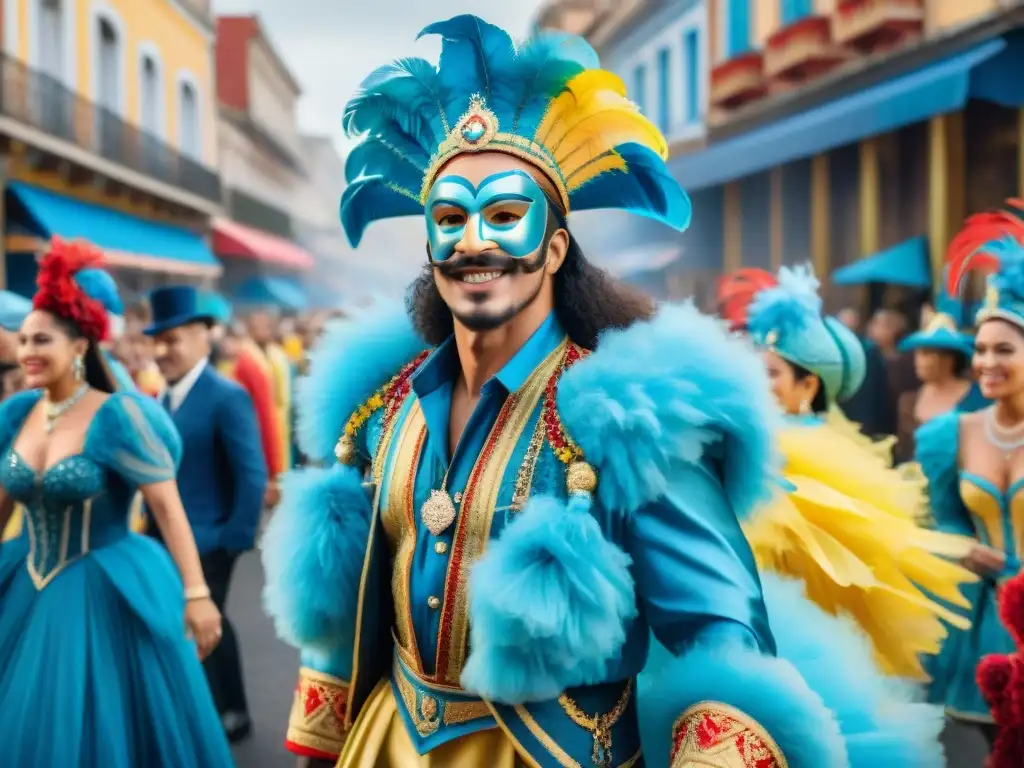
column 904, row 264
column 273, row 290
column 127, row 240
column 944, row 86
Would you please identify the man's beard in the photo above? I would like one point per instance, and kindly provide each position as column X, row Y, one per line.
column 507, row 265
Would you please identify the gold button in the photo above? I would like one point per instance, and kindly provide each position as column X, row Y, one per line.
column 440, row 547
column 434, row 602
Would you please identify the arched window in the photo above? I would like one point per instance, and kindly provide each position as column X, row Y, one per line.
column 150, row 96
column 109, row 90
column 189, row 130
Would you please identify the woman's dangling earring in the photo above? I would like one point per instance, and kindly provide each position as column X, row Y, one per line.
column 805, row 408
column 79, row 369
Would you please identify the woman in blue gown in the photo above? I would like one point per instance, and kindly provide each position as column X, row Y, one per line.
column 97, row 669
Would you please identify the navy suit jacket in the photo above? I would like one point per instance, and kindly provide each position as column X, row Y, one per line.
column 223, row 476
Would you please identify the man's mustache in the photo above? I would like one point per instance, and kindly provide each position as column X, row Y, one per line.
column 497, row 261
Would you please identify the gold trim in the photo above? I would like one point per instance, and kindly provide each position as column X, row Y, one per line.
column 478, row 511
column 320, row 728
column 379, row 459
column 987, row 511
column 726, row 753
column 400, row 516
column 38, row 579
column 428, row 712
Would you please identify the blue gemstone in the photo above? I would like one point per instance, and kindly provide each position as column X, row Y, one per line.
column 473, row 131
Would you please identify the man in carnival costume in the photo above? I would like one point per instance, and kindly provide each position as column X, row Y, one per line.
column 532, row 471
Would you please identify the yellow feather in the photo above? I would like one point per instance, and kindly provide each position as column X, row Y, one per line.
column 596, row 137
column 610, row 116
column 576, row 90
column 609, row 161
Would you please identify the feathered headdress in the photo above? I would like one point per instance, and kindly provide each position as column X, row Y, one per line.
column 992, row 243
column 60, row 293
column 546, row 103
column 787, row 319
column 735, row 292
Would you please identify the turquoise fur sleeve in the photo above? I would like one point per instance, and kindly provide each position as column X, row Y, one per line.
column 937, row 448
column 821, row 714
column 133, row 435
column 353, row 360
column 656, row 395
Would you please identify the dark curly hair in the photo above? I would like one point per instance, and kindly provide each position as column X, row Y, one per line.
column 588, row 301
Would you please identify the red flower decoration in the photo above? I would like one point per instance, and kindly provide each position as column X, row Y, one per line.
column 1001, row 680
column 59, row 294
column 735, row 292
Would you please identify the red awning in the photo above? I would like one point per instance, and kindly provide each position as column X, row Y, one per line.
column 232, row 239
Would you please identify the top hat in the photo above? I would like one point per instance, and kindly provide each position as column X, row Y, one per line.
column 176, row 306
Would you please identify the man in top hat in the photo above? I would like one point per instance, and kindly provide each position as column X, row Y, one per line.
column 223, row 476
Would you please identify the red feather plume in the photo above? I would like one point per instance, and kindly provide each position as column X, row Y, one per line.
column 59, row 294
column 965, row 253
column 735, row 292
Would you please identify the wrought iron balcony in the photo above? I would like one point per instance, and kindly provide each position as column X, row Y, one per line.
column 45, row 103
column 246, row 209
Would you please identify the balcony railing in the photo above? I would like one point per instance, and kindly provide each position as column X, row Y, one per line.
column 46, row 104
column 254, row 213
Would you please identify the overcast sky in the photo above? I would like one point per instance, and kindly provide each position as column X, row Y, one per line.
column 331, row 45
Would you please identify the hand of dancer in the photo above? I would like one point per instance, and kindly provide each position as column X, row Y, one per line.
column 984, row 560
column 204, row 624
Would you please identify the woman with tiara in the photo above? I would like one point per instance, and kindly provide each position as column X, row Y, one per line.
column 97, row 669
column 845, row 522
column 974, row 462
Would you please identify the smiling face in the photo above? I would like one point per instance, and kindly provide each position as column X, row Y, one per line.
column 999, row 359
column 46, row 350
column 493, row 239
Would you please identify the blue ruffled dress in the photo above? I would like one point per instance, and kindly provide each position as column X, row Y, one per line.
column 963, row 503
column 95, row 667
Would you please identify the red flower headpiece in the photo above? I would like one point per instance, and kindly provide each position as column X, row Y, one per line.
column 60, row 295
column 736, row 291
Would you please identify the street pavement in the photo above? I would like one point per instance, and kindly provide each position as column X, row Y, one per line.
column 271, row 668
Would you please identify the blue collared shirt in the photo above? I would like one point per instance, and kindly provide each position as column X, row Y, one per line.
column 433, row 384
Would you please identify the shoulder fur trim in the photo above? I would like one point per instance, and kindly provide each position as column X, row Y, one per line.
column 663, row 392
column 355, row 358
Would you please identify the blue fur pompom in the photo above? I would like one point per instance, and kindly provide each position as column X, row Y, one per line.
column 882, row 720
column 789, row 306
column 656, row 395
column 1009, row 280
column 354, row 359
column 550, row 602
column 313, row 550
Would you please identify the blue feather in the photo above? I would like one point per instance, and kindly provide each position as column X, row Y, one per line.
column 647, row 188
column 475, row 56
column 396, row 158
column 381, row 113
column 100, row 286
column 793, row 304
column 543, row 68
column 372, row 198
column 1009, row 279
column 414, row 83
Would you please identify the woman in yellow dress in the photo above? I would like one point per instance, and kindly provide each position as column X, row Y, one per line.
column 845, row 521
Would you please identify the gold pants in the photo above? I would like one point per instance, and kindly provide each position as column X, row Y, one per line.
column 379, row 740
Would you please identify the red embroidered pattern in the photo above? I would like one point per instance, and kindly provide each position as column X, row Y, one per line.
column 565, row 449
column 710, row 736
column 459, row 541
column 396, row 390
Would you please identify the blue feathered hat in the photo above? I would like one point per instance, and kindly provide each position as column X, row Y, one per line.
column 100, row 286
column 787, row 318
column 545, row 102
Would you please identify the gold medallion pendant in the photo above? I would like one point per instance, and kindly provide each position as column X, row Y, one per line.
column 438, row 512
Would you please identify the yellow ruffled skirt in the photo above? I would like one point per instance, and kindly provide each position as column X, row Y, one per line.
column 849, row 529
column 379, row 740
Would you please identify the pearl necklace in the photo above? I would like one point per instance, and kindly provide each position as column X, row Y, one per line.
column 1006, row 440
column 55, row 410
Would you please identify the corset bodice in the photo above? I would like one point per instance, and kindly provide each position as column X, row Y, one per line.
column 71, row 508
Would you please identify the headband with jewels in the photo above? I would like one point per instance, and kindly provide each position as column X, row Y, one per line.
column 545, row 102
column 991, row 243
column 786, row 317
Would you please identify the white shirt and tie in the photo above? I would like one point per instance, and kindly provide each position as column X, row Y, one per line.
column 174, row 394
